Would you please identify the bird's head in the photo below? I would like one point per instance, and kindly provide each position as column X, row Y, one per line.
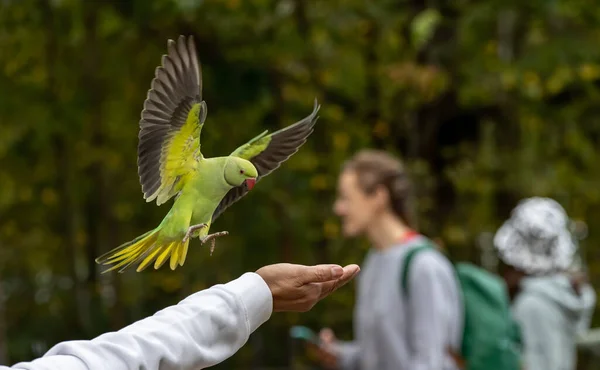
column 238, row 171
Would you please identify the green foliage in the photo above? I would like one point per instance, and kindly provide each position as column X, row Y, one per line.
column 487, row 102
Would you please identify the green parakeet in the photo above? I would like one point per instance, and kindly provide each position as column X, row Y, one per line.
column 171, row 164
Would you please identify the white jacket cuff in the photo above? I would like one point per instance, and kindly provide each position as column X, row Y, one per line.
column 256, row 298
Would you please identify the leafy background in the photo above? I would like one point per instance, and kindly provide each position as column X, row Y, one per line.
column 486, row 101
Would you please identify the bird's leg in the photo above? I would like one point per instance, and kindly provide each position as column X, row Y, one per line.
column 212, row 238
column 192, row 229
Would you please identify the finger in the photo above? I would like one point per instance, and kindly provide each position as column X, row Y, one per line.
column 329, row 287
column 319, row 273
column 315, row 353
column 328, row 359
column 314, row 349
column 327, row 336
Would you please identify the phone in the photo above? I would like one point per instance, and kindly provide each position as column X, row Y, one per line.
column 302, row 355
column 305, row 333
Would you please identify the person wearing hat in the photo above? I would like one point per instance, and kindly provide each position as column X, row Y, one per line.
column 551, row 305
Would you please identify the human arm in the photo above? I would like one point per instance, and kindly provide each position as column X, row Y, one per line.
column 203, row 329
column 348, row 354
column 335, row 354
column 429, row 307
column 588, row 296
column 541, row 344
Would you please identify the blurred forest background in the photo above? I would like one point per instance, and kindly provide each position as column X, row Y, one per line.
column 487, row 101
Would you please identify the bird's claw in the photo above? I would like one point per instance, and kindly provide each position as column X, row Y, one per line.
column 212, row 238
column 191, row 230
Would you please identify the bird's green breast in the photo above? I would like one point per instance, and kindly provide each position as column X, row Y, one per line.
column 207, row 189
column 198, row 199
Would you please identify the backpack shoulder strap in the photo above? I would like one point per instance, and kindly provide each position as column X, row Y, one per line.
column 459, row 360
column 406, row 264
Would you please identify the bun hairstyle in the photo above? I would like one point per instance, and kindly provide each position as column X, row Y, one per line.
column 376, row 168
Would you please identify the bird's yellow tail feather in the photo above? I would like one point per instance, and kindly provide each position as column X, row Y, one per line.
column 145, row 249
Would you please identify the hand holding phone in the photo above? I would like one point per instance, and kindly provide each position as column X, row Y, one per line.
column 317, row 345
column 306, row 334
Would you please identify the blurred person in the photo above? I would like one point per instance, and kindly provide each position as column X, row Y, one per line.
column 551, row 304
column 582, row 286
column 579, row 276
column 205, row 328
column 391, row 333
column 440, row 244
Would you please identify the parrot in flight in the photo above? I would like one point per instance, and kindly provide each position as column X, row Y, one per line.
column 171, row 164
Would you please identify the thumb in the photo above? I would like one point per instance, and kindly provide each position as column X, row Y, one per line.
column 320, row 273
column 326, row 335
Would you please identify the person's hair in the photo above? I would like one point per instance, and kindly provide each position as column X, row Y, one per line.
column 378, row 168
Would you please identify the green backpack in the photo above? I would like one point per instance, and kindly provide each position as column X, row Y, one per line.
column 491, row 338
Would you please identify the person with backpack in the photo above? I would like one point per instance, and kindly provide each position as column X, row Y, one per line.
column 391, row 332
column 551, row 305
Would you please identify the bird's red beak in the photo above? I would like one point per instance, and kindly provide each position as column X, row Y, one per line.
column 250, row 183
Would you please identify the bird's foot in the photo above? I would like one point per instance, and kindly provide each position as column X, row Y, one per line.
column 212, row 239
column 192, row 229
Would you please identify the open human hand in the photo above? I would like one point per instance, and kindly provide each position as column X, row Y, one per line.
column 297, row 288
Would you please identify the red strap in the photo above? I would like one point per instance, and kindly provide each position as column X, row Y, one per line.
column 408, row 236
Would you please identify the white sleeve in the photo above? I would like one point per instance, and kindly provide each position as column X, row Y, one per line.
column 202, row 330
column 428, row 307
column 348, row 355
column 541, row 337
column 588, row 299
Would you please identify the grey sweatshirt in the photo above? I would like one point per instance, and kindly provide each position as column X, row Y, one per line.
column 393, row 334
column 551, row 314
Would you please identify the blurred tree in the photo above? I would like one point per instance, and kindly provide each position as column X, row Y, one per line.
column 487, row 102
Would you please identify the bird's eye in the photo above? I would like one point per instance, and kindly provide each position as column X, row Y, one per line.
column 242, row 172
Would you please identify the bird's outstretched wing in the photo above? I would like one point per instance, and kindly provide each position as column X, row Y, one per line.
column 172, row 119
column 268, row 152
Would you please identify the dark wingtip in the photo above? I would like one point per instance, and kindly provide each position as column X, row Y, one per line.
column 185, row 38
column 316, row 109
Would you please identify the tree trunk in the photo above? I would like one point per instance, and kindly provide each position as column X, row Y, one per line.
column 64, row 172
column 100, row 224
column 3, row 325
